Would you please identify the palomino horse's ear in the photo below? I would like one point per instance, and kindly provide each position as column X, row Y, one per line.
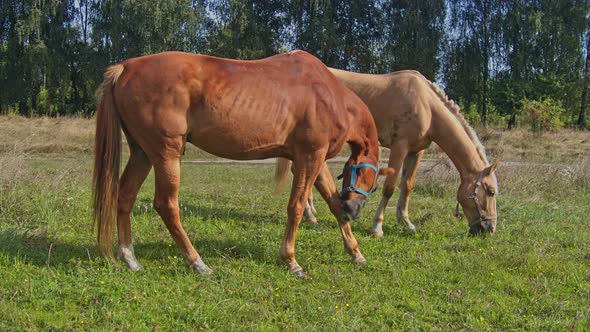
column 492, row 168
column 386, row 171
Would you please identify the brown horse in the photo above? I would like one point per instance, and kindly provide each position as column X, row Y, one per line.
column 411, row 112
column 287, row 106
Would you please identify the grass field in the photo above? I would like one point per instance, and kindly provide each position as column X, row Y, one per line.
column 532, row 275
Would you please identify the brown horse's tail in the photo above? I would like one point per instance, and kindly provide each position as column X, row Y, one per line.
column 281, row 174
column 107, row 159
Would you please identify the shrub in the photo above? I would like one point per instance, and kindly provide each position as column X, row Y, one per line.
column 43, row 102
column 542, row 115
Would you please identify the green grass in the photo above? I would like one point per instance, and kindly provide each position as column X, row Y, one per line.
column 532, row 275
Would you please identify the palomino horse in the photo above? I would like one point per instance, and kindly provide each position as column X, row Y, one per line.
column 411, row 112
column 287, row 106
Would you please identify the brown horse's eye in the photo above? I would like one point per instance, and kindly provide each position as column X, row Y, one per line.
column 490, row 191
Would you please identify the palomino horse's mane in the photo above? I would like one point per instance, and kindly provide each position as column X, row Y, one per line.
column 456, row 111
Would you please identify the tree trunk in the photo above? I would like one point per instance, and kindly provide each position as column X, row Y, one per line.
column 22, row 108
column 486, row 64
column 584, row 101
column 512, row 121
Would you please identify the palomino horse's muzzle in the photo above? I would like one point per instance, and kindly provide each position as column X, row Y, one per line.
column 484, row 226
column 484, row 223
column 352, row 207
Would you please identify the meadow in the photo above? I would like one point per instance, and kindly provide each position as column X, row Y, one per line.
column 533, row 274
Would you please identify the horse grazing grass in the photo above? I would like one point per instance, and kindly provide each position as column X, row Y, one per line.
column 288, row 106
column 410, row 112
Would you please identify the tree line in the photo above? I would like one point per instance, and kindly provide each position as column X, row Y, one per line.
column 497, row 58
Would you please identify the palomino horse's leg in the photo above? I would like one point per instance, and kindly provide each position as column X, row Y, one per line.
column 310, row 213
column 397, row 154
column 305, row 171
column 406, row 186
column 167, row 173
column 327, row 188
column 135, row 173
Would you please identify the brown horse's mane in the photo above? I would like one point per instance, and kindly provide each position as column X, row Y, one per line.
column 456, row 111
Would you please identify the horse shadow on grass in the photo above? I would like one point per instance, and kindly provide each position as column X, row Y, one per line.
column 43, row 251
column 35, row 247
column 209, row 212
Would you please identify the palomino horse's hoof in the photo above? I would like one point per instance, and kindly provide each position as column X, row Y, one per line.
column 376, row 234
column 359, row 259
column 201, row 268
column 300, row 274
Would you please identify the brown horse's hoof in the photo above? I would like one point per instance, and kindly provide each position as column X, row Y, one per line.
column 127, row 256
column 359, row 259
column 134, row 266
column 201, row 268
column 297, row 270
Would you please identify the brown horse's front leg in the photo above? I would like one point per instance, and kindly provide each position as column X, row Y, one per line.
column 305, row 171
column 327, row 188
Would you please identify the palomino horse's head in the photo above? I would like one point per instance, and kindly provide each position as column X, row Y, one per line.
column 359, row 180
column 477, row 196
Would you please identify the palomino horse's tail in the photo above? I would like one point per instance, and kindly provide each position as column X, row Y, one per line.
column 281, row 174
column 107, row 159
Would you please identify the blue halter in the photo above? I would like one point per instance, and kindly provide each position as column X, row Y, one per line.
column 352, row 186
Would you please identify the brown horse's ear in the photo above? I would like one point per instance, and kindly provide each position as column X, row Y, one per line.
column 386, row 171
column 492, row 168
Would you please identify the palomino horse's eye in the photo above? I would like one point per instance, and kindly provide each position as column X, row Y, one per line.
column 490, row 191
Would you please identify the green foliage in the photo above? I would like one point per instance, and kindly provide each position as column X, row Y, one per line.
column 412, row 36
column 469, row 111
column 493, row 54
column 43, row 102
column 543, row 115
column 246, row 29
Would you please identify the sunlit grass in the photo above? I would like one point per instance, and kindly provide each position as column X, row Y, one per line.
column 533, row 275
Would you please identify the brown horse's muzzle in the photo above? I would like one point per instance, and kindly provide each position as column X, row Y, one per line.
column 351, row 208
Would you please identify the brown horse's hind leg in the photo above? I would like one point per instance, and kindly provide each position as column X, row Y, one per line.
column 397, row 154
column 305, row 172
column 167, row 171
column 406, row 186
column 135, row 173
column 327, row 188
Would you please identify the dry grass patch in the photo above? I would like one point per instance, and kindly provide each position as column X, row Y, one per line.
column 75, row 135
column 520, row 144
column 66, row 135
column 12, row 167
column 46, row 135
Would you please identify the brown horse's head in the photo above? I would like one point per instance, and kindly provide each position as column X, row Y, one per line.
column 359, row 180
column 477, row 196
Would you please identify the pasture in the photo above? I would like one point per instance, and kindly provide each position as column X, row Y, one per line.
column 532, row 275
